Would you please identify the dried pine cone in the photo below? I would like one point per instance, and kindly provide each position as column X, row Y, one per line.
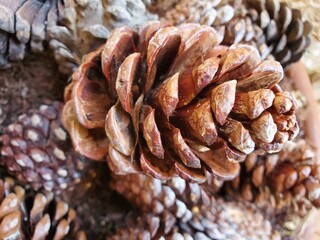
column 38, row 151
column 30, row 215
column 176, row 208
column 138, row 93
column 64, row 26
column 288, row 179
column 270, row 25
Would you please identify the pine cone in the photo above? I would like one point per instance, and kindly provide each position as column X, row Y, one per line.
column 271, row 26
column 288, row 179
column 64, row 26
column 30, row 215
column 38, row 151
column 141, row 98
column 176, row 208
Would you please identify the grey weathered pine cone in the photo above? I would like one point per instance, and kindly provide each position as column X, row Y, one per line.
column 63, row 26
column 176, row 209
column 26, row 214
column 38, row 151
column 272, row 26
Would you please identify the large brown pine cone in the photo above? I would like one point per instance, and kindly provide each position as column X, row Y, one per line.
column 272, row 26
column 172, row 101
column 38, row 151
column 26, row 214
column 279, row 181
column 175, row 208
column 70, row 28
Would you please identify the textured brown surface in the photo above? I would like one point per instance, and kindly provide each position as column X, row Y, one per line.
column 28, row 84
column 100, row 201
column 162, row 124
column 100, row 208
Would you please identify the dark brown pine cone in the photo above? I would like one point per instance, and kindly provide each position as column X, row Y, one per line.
column 64, row 26
column 26, row 214
column 285, row 30
column 141, row 98
column 175, row 209
column 272, row 26
column 288, row 179
column 38, row 151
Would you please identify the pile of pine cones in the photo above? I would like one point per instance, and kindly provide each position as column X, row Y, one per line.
column 179, row 119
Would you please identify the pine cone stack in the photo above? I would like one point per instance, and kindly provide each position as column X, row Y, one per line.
column 288, row 179
column 169, row 103
column 64, row 26
column 175, row 209
column 38, row 151
column 26, row 214
column 272, row 26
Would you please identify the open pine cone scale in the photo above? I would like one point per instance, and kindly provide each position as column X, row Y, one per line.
column 172, row 101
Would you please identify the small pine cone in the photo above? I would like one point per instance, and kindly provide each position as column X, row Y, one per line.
column 26, row 214
column 64, row 26
column 288, row 179
column 272, row 26
column 38, row 151
column 184, row 210
column 138, row 105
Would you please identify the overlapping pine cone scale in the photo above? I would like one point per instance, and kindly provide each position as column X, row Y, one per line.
column 26, row 214
column 38, row 151
column 272, row 26
column 289, row 179
column 176, row 209
column 172, row 101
